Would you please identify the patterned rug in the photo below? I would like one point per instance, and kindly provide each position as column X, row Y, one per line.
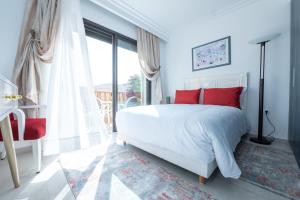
column 125, row 173
column 130, row 173
column 271, row 167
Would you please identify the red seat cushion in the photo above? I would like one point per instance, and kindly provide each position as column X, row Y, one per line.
column 34, row 129
column 11, row 116
column 187, row 96
column 223, row 96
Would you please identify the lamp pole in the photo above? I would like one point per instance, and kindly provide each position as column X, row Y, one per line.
column 260, row 139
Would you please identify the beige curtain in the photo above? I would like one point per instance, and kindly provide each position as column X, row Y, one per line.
column 149, row 57
column 36, row 46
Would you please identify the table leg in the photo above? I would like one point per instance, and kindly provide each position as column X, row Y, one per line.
column 10, row 149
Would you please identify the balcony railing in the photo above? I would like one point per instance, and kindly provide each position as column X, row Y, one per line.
column 125, row 99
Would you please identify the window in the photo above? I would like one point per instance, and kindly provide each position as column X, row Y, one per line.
column 117, row 76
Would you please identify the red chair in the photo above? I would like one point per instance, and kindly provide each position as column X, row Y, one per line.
column 30, row 129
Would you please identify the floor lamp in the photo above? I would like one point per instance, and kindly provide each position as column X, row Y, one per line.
column 260, row 139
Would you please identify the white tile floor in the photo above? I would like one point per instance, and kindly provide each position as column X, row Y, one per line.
column 48, row 185
column 51, row 183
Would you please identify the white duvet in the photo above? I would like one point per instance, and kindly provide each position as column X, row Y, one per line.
column 200, row 132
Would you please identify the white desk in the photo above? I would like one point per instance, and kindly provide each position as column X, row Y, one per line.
column 8, row 102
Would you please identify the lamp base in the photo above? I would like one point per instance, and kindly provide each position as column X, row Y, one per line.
column 264, row 140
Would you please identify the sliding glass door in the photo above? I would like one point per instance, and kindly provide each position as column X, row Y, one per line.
column 117, row 76
column 131, row 81
column 101, row 66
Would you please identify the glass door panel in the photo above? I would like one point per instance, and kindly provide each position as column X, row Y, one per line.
column 131, row 82
column 116, row 72
column 100, row 56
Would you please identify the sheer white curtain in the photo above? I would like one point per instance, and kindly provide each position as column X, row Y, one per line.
column 74, row 120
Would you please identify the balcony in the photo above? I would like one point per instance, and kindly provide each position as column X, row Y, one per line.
column 125, row 99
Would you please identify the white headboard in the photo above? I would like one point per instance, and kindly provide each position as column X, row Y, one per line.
column 221, row 81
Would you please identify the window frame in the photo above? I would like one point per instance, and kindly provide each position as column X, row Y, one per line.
column 97, row 31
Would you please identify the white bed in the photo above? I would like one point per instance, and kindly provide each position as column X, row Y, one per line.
column 195, row 137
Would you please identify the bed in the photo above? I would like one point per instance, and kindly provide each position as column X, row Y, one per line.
column 198, row 137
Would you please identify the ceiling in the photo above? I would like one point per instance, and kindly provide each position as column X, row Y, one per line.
column 171, row 13
column 163, row 16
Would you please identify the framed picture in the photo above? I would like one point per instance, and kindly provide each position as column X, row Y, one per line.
column 212, row 54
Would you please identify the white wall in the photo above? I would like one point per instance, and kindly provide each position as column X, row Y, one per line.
column 264, row 17
column 11, row 16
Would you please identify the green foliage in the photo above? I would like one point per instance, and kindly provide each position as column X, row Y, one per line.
column 134, row 84
column 134, row 88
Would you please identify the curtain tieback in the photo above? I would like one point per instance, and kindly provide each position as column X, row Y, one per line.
column 32, row 33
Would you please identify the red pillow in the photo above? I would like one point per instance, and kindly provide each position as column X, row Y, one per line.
column 187, row 96
column 223, row 96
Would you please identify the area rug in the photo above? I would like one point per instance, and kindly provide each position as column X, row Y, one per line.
column 125, row 173
column 271, row 167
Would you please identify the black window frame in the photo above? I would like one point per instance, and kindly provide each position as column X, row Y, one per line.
column 97, row 31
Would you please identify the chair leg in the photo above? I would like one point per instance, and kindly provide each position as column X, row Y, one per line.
column 2, row 151
column 202, row 180
column 37, row 154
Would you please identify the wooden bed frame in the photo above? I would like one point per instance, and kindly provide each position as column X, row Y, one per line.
column 204, row 170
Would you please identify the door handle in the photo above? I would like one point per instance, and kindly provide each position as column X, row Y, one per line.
column 13, row 97
column 293, row 77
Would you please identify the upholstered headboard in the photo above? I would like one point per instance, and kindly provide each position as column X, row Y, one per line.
column 221, row 81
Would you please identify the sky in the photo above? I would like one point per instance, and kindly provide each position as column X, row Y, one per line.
column 100, row 54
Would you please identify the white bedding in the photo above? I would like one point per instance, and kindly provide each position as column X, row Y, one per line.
column 199, row 132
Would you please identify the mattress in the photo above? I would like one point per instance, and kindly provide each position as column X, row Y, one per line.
column 196, row 132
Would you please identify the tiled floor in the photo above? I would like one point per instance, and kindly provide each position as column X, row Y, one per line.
column 52, row 184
